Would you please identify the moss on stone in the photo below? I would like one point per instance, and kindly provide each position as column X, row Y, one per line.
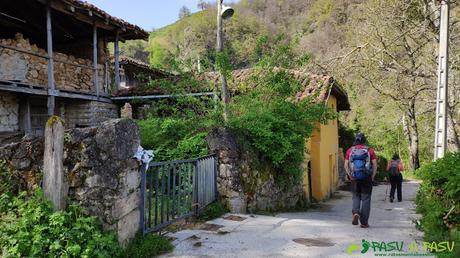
column 54, row 119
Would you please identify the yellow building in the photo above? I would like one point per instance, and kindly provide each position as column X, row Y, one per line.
column 321, row 173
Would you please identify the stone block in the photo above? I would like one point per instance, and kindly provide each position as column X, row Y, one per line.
column 236, row 203
column 102, row 180
column 128, row 226
column 118, row 138
column 125, row 205
column 8, row 112
column 13, row 67
column 130, row 181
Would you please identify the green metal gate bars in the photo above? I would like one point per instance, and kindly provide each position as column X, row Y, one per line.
column 176, row 189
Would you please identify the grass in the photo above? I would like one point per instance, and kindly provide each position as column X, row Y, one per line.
column 147, row 246
column 410, row 175
column 213, row 211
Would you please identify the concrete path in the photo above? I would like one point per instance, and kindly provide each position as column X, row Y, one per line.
column 322, row 232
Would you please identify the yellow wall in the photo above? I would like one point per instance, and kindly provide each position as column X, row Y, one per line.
column 323, row 150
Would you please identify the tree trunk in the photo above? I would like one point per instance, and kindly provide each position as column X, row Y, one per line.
column 453, row 141
column 411, row 131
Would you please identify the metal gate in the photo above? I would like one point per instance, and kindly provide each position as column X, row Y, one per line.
column 176, row 189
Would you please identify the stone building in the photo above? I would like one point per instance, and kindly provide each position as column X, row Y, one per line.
column 135, row 73
column 54, row 59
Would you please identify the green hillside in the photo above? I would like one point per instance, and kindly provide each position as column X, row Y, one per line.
column 381, row 51
column 256, row 27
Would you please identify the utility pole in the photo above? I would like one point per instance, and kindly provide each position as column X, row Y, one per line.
column 442, row 89
column 219, row 49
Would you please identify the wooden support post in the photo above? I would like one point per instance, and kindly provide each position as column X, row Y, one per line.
column 95, row 70
column 27, row 118
column 54, row 183
column 24, row 115
column 106, row 76
column 117, row 61
column 49, row 41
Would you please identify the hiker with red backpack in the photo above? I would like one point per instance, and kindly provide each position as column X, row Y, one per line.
column 395, row 167
column 361, row 168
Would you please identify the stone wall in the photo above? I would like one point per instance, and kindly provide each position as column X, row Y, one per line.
column 88, row 113
column 245, row 184
column 101, row 174
column 32, row 69
column 9, row 109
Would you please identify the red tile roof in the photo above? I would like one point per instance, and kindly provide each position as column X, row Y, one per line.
column 139, row 33
column 313, row 85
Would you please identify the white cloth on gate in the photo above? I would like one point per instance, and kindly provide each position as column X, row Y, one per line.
column 144, row 156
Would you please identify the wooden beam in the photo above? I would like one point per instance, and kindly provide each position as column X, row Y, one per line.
column 71, row 95
column 14, row 88
column 42, row 92
column 49, row 41
column 95, row 70
column 81, row 15
column 12, row 17
column 44, row 56
column 20, row 50
column 117, row 61
column 27, row 123
column 164, row 96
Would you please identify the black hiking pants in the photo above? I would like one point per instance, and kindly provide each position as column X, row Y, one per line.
column 396, row 184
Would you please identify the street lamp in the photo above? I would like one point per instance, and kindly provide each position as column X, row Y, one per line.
column 223, row 12
column 226, row 12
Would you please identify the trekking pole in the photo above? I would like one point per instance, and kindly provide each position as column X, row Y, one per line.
column 386, row 191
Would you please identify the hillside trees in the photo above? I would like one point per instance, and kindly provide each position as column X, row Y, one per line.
column 391, row 54
column 254, row 23
column 383, row 52
column 184, row 12
column 203, row 5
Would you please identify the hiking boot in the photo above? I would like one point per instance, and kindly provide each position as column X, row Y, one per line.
column 355, row 219
column 364, row 225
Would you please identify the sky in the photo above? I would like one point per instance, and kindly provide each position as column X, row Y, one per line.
column 147, row 14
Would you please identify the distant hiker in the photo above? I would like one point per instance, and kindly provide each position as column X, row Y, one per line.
column 395, row 167
column 361, row 167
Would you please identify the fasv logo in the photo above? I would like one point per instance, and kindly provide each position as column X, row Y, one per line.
column 354, row 247
column 433, row 247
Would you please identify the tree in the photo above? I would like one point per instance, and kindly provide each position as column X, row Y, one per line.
column 392, row 54
column 203, row 5
column 184, row 12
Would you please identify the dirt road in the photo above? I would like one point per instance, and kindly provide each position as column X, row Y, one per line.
column 322, row 232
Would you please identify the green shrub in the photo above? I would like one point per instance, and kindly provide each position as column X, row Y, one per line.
column 30, row 228
column 174, row 137
column 147, row 246
column 439, row 193
column 346, row 136
column 213, row 211
column 274, row 124
column 7, row 180
column 382, row 173
column 176, row 128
